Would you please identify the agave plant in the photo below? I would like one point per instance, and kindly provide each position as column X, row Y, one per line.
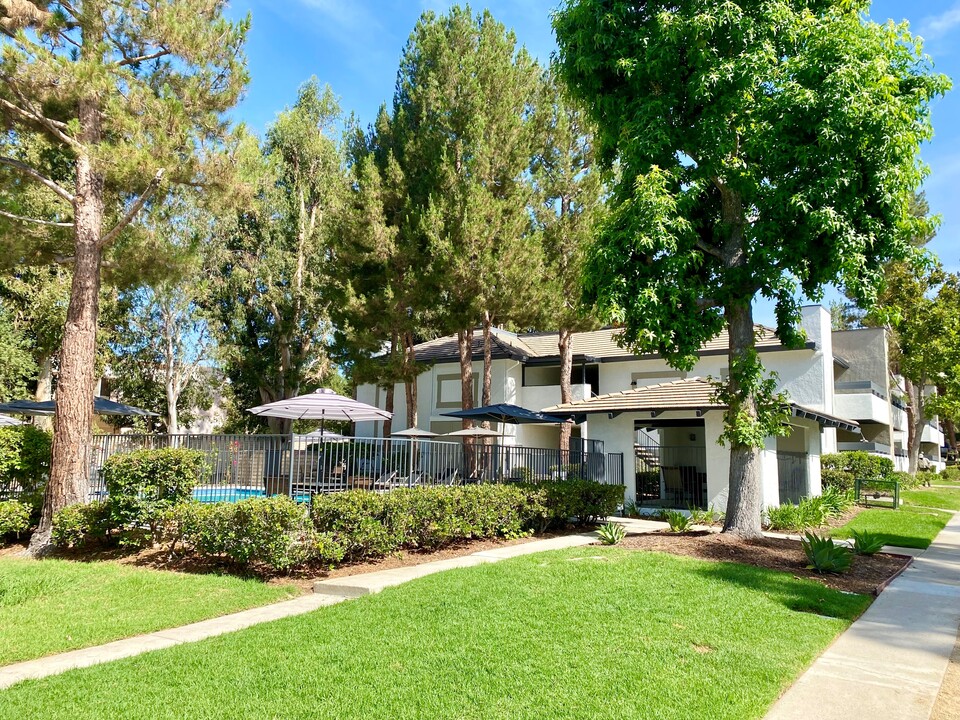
column 867, row 543
column 824, row 555
column 611, row 533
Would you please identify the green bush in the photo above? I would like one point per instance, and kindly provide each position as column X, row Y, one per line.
column 810, row 512
column 83, row 524
column 586, row 501
column 867, row 543
column 274, row 531
column 951, row 474
column 784, row 517
column 706, row 517
column 836, row 502
column 355, row 519
column 14, row 518
column 679, row 522
column 824, row 555
column 144, row 484
column 908, row 481
column 612, row 533
column 841, row 470
column 24, row 463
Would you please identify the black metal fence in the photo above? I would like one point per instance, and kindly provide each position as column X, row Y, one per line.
column 671, row 476
column 792, row 476
column 241, row 466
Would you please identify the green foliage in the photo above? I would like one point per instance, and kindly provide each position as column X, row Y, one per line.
column 809, row 512
column 17, row 366
column 867, row 543
column 24, row 463
column 824, row 555
column 611, row 534
column 836, row 502
column 711, row 516
column 781, row 115
column 144, row 484
column 274, row 531
column 587, row 501
column 83, row 524
column 679, row 522
column 841, row 470
column 14, row 518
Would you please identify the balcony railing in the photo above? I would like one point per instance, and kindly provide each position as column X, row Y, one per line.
column 860, row 386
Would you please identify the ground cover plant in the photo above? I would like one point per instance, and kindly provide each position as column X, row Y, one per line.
column 943, row 498
column 52, row 606
column 911, row 527
column 534, row 637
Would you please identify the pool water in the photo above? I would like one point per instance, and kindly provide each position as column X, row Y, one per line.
column 234, row 494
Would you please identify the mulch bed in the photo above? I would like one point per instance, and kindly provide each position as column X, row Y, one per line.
column 866, row 575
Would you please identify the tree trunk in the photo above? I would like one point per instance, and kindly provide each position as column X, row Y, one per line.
column 44, row 391
column 565, row 346
column 73, row 420
column 410, row 371
column 465, row 347
column 951, row 430
column 388, row 406
column 744, row 504
column 485, row 396
column 173, row 418
column 915, row 421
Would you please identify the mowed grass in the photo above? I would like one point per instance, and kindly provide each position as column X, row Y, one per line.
column 945, row 498
column 909, row 526
column 51, row 606
column 580, row 633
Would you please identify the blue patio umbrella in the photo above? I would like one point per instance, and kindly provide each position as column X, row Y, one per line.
column 506, row 413
column 101, row 406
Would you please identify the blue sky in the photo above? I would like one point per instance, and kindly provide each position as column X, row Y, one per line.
column 355, row 46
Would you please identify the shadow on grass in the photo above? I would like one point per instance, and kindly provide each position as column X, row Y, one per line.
column 795, row 594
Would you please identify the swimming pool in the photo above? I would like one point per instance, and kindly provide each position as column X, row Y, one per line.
column 229, row 493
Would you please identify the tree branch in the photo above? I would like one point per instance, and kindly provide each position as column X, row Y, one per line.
column 132, row 212
column 21, row 218
column 705, row 303
column 54, row 127
column 143, row 58
column 42, row 179
column 709, row 249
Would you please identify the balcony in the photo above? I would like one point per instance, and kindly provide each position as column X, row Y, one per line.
column 863, row 401
column 871, row 447
column 932, row 434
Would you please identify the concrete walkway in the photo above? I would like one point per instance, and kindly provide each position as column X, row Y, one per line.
column 890, row 663
column 326, row 592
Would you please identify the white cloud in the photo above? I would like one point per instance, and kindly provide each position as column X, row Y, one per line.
column 934, row 27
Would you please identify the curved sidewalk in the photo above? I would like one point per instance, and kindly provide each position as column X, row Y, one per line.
column 890, row 663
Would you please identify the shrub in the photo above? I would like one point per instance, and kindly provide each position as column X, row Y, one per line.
column 824, row 555
column 951, row 474
column 612, row 533
column 14, row 518
column 706, row 517
column 144, row 484
column 274, row 531
column 867, row 543
column 908, row 481
column 24, row 463
column 355, row 519
column 784, row 517
column 678, row 521
column 83, row 524
column 839, row 480
column 841, row 470
column 585, row 500
column 836, row 502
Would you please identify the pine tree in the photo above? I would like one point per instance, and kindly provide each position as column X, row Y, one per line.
column 130, row 94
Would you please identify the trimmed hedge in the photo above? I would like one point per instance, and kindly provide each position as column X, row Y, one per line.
column 840, row 470
column 14, row 518
column 25, row 463
column 278, row 533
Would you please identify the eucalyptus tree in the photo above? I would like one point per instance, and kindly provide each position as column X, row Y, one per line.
column 463, row 141
column 569, row 208
column 128, row 95
column 271, row 275
column 763, row 149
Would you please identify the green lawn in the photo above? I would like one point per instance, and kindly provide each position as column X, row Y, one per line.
column 945, row 498
column 911, row 527
column 580, row 633
column 51, row 606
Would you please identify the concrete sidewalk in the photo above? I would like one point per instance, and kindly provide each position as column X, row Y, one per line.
column 326, row 592
column 890, row 663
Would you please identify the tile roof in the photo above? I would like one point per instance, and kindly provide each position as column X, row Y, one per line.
column 600, row 344
column 689, row 394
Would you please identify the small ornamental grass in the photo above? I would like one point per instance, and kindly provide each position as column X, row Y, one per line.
column 867, row 543
column 611, row 534
column 824, row 555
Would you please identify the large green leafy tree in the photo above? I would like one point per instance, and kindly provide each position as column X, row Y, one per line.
column 463, row 135
column 764, row 148
column 569, row 207
column 272, row 277
column 125, row 94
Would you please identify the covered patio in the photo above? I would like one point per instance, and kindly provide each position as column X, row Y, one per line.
column 672, row 430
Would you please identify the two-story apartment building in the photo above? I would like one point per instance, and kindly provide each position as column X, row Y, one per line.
column 664, row 423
